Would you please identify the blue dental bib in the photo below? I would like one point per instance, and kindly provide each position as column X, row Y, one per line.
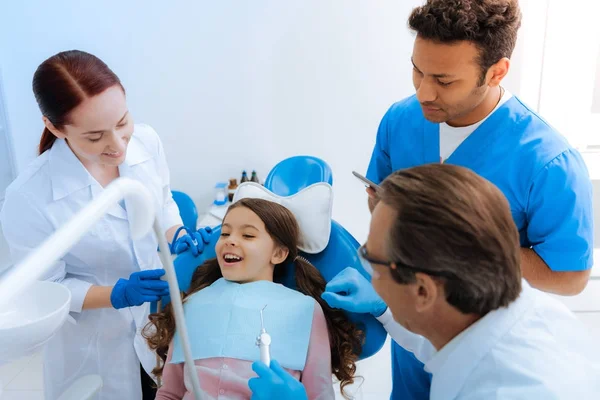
column 223, row 320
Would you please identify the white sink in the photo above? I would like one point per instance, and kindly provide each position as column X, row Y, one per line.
column 30, row 319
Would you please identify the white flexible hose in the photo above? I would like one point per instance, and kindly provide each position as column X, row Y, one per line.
column 165, row 257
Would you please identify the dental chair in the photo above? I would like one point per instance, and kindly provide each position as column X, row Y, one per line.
column 187, row 209
column 287, row 178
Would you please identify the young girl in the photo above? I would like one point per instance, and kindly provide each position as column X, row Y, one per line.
column 258, row 241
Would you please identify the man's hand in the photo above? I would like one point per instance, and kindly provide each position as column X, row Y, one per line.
column 351, row 291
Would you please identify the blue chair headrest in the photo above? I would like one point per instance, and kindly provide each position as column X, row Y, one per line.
column 296, row 173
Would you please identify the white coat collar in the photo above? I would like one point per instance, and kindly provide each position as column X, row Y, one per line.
column 455, row 362
column 136, row 151
column 67, row 173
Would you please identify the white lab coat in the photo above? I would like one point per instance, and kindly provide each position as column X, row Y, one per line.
column 534, row 349
column 48, row 193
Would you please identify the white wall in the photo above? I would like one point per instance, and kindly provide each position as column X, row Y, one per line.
column 229, row 85
column 596, row 100
column 525, row 75
column 569, row 72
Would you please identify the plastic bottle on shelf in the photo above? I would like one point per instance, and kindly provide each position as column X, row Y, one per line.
column 254, row 177
column 232, row 188
column 220, row 194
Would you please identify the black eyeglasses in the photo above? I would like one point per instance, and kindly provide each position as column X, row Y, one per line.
column 367, row 261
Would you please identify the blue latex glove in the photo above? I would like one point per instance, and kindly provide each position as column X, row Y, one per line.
column 141, row 287
column 196, row 241
column 275, row 383
column 351, row 291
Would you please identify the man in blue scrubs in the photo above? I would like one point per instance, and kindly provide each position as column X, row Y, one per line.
column 461, row 115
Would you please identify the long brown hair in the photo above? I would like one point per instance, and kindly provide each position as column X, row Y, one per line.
column 63, row 81
column 345, row 339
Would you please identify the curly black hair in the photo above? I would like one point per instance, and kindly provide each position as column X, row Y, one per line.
column 491, row 25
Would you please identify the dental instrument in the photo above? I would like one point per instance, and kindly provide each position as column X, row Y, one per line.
column 263, row 341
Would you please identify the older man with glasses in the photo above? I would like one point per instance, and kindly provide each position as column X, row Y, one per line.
column 444, row 256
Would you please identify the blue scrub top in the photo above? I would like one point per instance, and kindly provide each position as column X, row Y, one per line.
column 544, row 179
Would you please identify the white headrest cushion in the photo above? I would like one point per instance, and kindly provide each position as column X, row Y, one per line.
column 311, row 207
